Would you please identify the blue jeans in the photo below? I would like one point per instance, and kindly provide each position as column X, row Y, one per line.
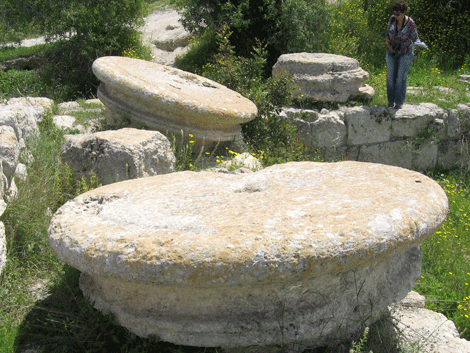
column 398, row 66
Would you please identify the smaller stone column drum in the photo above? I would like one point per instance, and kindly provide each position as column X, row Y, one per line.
column 325, row 77
column 298, row 254
column 170, row 100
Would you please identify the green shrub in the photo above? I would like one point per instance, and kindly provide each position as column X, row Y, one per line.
column 281, row 26
column 27, row 83
column 444, row 25
column 201, row 51
column 93, row 28
column 353, row 34
column 271, row 138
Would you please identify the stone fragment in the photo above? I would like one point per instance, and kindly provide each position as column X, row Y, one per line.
column 119, row 154
column 28, row 111
column 12, row 191
column 436, row 129
column 424, row 157
column 417, row 91
column 9, row 150
column 325, row 129
column 449, row 154
column 94, row 101
column 324, row 77
column 64, row 121
column 3, row 183
column 243, row 160
column 464, row 111
column 40, row 105
column 170, row 100
column 464, row 78
column 328, row 131
column 3, row 206
column 425, row 331
column 21, row 172
column 66, row 107
column 452, row 124
column 397, row 153
column 412, row 120
column 26, row 120
column 165, row 35
column 367, row 125
column 265, row 258
column 8, row 118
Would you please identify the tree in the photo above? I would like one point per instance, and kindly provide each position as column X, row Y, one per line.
column 90, row 29
column 281, row 25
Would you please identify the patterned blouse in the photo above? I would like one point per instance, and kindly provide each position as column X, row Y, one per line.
column 401, row 40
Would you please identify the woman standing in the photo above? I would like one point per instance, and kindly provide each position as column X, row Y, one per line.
column 401, row 33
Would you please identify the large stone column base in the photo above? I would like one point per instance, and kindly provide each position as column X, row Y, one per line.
column 297, row 315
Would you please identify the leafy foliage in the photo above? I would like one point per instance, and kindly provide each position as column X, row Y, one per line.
column 355, row 34
column 93, row 28
column 271, row 138
column 444, row 25
column 281, row 26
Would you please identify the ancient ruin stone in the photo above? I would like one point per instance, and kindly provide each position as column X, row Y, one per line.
column 423, row 330
column 170, row 100
column 9, row 150
column 325, row 77
column 215, row 259
column 119, row 154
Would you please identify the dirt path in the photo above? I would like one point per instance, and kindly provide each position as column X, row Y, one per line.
column 162, row 32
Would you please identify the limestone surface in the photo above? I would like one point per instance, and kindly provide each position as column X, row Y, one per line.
column 170, row 100
column 418, row 136
column 425, row 331
column 324, row 77
column 119, row 154
column 300, row 252
column 9, row 150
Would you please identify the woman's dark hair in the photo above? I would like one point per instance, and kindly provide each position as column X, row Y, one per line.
column 400, row 6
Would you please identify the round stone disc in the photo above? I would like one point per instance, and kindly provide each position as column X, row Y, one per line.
column 170, row 100
column 287, row 222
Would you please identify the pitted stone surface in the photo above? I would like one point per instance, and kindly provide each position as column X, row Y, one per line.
column 214, row 259
column 170, row 100
column 118, row 155
column 325, row 77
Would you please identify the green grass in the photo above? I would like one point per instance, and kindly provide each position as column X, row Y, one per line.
column 426, row 76
column 445, row 279
column 10, row 52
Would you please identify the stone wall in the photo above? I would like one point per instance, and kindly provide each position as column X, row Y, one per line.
column 418, row 136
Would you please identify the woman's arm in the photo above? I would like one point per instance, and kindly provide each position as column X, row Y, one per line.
column 387, row 34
